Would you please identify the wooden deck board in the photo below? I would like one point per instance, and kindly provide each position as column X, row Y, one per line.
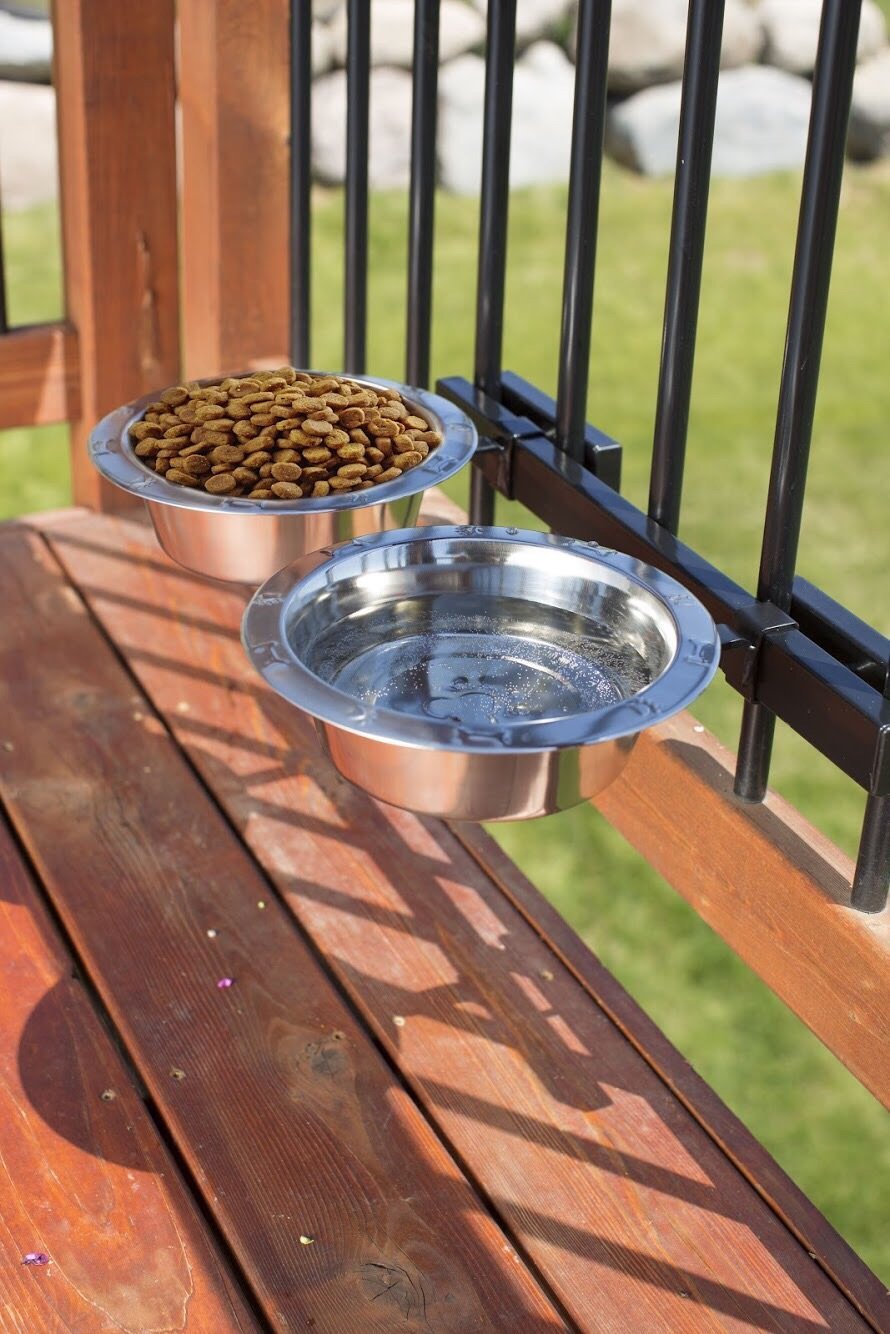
column 600, row 1172
column 86, row 1180
column 290, row 1120
column 815, row 1233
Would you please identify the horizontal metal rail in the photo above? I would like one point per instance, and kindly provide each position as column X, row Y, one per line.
column 792, row 652
column 766, row 655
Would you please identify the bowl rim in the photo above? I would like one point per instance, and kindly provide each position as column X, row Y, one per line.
column 692, row 665
column 112, row 454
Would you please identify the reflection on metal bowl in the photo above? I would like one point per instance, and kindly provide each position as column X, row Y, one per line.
column 480, row 673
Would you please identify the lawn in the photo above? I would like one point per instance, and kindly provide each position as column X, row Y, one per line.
column 825, row 1129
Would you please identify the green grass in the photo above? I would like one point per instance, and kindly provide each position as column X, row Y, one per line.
column 34, row 468
column 821, row 1125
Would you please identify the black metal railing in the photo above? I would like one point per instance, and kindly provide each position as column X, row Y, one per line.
column 790, row 651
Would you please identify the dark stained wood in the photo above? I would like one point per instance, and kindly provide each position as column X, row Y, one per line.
column 769, row 883
column 87, row 1181
column 234, row 97
column 114, row 73
column 38, row 375
column 611, row 1186
column 290, row 1120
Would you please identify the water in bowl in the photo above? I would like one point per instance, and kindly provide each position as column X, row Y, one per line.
column 508, row 663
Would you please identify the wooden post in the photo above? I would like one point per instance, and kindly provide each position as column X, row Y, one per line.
column 234, row 77
column 115, row 81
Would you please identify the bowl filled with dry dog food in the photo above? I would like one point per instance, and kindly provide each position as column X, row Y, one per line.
column 245, row 473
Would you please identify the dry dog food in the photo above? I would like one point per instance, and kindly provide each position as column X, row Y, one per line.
column 281, row 435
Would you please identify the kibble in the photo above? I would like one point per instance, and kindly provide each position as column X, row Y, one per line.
column 286, row 472
column 220, row 484
column 281, row 435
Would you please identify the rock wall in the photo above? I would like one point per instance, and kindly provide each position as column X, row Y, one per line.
column 768, row 51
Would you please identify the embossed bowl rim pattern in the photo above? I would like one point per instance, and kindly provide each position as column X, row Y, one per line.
column 692, row 665
column 112, row 453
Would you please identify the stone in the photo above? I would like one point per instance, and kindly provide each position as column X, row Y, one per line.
column 28, row 160
column 743, row 38
column 869, row 132
column 26, row 48
column 322, row 49
column 389, row 163
column 543, row 97
column 761, row 125
column 461, row 29
column 791, row 28
column 647, row 43
column 535, row 18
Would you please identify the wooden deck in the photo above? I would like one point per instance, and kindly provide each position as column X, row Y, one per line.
column 421, row 1103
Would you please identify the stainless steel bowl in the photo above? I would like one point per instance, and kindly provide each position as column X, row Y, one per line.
column 480, row 673
column 247, row 540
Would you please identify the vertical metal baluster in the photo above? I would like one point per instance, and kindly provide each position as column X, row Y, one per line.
column 492, row 265
column 588, row 129
column 871, row 880
column 358, row 90
column 696, row 140
column 832, row 91
column 301, row 178
column 422, row 192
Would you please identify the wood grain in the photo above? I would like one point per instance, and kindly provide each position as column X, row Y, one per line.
column 789, row 832
column 38, row 375
column 287, row 1115
column 815, row 1233
column 234, row 90
column 84, row 1179
column 767, row 881
column 770, row 884
column 115, row 91
column 612, row 1188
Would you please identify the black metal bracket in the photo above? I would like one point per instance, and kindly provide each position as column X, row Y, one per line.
column 500, row 455
column 742, row 642
column 767, row 654
column 880, row 775
column 602, row 454
column 499, row 428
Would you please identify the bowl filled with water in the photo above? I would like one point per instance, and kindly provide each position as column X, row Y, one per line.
column 479, row 673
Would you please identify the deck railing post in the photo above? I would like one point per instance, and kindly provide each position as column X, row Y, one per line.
column 115, row 86
column 234, row 80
